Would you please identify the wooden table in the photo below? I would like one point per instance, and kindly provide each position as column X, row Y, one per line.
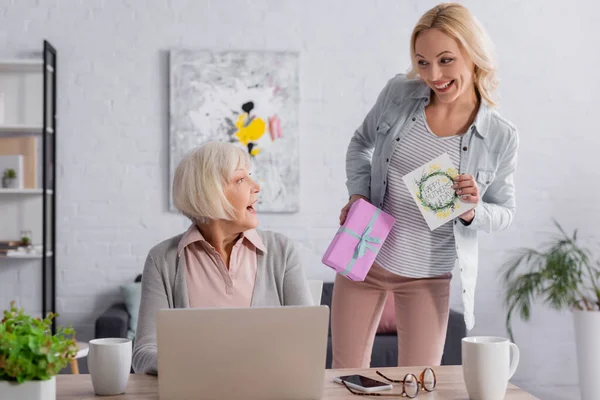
column 450, row 386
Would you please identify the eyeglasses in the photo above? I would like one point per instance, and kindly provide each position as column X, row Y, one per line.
column 411, row 384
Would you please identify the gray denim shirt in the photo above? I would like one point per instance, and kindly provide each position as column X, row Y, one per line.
column 488, row 152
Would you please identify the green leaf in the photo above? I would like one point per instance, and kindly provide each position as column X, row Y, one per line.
column 28, row 350
column 558, row 273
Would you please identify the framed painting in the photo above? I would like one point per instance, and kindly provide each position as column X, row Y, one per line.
column 246, row 98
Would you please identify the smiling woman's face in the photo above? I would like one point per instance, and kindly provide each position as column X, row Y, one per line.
column 242, row 193
column 444, row 65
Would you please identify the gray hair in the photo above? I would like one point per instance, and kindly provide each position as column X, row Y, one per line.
column 200, row 178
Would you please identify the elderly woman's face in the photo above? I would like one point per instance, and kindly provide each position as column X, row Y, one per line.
column 443, row 65
column 242, row 193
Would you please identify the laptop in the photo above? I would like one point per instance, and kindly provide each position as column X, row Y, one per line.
column 242, row 353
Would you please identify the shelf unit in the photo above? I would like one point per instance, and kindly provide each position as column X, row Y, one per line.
column 26, row 65
column 25, row 191
column 23, row 130
column 26, row 256
column 46, row 132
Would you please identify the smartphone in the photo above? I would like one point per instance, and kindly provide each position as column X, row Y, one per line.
column 363, row 383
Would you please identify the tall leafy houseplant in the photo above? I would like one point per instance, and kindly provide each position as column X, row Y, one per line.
column 28, row 349
column 562, row 274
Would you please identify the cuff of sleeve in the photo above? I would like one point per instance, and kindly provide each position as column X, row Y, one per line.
column 465, row 223
column 352, row 190
column 476, row 221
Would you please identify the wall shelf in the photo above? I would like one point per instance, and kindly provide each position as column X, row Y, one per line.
column 25, row 256
column 23, row 130
column 25, row 191
column 25, row 65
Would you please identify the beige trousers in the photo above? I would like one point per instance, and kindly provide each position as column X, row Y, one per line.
column 422, row 308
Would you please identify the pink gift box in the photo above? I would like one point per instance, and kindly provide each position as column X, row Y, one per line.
column 356, row 244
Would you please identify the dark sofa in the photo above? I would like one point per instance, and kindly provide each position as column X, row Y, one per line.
column 114, row 322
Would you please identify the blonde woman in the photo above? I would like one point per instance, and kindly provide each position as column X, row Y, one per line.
column 444, row 105
column 222, row 260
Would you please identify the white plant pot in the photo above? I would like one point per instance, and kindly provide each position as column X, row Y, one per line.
column 587, row 342
column 10, row 183
column 31, row 390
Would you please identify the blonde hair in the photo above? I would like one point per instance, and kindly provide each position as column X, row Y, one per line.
column 456, row 21
column 200, row 178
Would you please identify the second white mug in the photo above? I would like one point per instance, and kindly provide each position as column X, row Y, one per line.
column 488, row 363
column 109, row 363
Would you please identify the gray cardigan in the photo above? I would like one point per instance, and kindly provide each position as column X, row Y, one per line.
column 280, row 280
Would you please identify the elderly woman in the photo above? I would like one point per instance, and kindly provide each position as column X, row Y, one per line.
column 222, row 260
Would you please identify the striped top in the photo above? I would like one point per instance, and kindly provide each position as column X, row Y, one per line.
column 412, row 249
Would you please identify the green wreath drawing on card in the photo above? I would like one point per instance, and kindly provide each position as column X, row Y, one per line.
column 434, row 191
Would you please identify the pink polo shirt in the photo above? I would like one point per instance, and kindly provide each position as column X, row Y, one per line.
column 209, row 282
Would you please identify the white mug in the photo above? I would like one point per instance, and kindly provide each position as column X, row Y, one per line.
column 109, row 363
column 487, row 366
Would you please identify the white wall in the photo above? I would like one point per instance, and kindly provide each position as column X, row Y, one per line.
column 113, row 131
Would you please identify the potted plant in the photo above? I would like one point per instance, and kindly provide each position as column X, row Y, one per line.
column 563, row 275
column 9, row 178
column 31, row 356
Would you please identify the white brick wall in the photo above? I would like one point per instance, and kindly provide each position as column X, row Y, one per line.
column 113, row 132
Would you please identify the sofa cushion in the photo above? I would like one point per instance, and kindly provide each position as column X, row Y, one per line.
column 113, row 323
column 132, row 293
